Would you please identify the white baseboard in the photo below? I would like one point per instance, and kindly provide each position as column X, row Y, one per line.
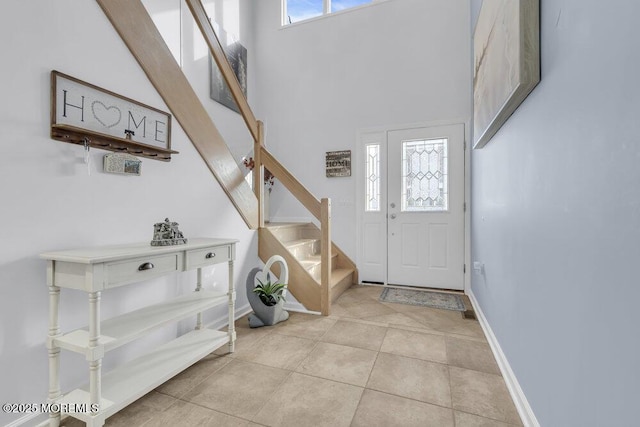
column 519, row 399
column 224, row 320
column 22, row 421
column 216, row 324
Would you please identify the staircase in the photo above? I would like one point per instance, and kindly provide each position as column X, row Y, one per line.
column 318, row 270
column 300, row 245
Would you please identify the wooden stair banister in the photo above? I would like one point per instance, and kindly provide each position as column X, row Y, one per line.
column 139, row 33
column 258, row 174
column 320, row 209
column 325, row 256
column 264, row 159
column 215, row 47
column 294, row 186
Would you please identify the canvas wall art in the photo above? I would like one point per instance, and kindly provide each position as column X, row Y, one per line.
column 506, row 62
column 237, row 55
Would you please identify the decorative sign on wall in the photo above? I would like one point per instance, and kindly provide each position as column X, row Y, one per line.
column 507, row 62
column 338, row 163
column 122, row 163
column 110, row 121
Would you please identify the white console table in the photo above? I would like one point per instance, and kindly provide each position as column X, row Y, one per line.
column 99, row 269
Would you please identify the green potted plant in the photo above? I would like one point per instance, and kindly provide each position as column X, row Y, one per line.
column 266, row 297
column 270, row 293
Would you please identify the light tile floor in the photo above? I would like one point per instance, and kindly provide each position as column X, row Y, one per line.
column 368, row 364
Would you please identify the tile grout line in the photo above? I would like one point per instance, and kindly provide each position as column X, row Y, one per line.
column 420, row 401
column 486, row 418
column 199, row 405
column 315, row 345
column 275, row 390
column 195, row 385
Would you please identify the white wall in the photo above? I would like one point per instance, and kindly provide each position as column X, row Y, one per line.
column 50, row 202
column 556, row 221
column 319, row 82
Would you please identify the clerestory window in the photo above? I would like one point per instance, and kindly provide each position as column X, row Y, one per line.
column 300, row 10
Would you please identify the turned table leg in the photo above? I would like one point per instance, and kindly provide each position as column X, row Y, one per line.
column 54, row 353
column 95, row 362
column 232, row 299
column 198, row 289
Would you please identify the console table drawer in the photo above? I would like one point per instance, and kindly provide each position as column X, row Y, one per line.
column 138, row 269
column 207, row 256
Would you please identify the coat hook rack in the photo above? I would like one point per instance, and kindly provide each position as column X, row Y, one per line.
column 85, row 114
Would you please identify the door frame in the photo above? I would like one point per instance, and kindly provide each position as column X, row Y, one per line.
column 380, row 133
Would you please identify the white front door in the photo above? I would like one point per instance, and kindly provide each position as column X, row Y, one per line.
column 413, row 231
column 425, row 211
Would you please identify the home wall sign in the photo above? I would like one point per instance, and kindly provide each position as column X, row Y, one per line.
column 81, row 111
column 506, row 62
column 338, row 163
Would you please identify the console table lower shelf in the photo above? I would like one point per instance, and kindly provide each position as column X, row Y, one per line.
column 129, row 381
column 99, row 269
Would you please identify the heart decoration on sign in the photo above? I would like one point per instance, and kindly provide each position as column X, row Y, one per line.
column 109, row 116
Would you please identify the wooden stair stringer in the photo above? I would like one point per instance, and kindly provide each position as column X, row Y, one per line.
column 132, row 22
column 341, row 280
column 301, row 284
column 343, row 271
column 344, row 261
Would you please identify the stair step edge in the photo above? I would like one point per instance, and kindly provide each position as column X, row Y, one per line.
column 316, row 258
column 308, row 263
column 299, row 242
column 279, row 225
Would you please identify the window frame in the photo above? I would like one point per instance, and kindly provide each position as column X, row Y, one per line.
column 375, row 187
column 404, row 208
column 326, row 11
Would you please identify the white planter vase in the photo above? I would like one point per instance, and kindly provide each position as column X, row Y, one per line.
column 266, row 315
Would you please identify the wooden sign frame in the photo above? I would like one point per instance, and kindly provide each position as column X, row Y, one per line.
column 82, row 113
column 338, row 163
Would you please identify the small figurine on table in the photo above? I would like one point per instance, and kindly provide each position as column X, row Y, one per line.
column 166, row 234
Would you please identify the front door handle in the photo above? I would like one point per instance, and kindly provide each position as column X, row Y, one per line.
column 393, row 216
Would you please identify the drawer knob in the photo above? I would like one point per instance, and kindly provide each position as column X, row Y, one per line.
column 210, row 255
column 145, row 266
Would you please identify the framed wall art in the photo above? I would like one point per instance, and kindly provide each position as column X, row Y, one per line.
column 237, row 55
column 338, row 163
column 82, row 113
column 506, row 62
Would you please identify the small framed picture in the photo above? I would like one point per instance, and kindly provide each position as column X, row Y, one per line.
column 122, row 163
column 338, row 163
